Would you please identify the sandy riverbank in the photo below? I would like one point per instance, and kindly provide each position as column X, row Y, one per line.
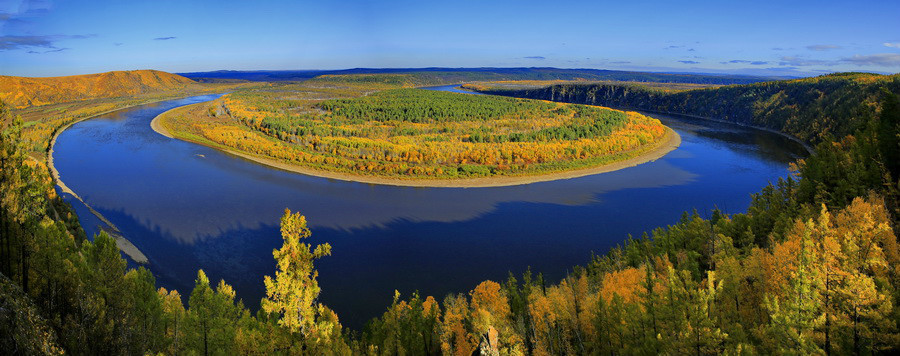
column 670, row 142
column 128, row 248
column 156, row 123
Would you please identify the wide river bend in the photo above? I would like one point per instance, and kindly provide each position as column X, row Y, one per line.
column 187, row 207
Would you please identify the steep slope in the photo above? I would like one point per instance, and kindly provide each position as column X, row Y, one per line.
column 21, row 92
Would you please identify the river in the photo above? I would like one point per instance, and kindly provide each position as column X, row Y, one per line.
column 187, row 207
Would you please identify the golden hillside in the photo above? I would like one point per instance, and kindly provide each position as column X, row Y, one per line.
column 21, row 92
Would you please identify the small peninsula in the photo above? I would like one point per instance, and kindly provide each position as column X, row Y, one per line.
column 376, row 129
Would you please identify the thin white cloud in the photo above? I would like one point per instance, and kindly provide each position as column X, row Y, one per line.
column 822, row 47
column 25, row 42
column 892, row 44
column 881, row 59
column 794, row 61
column 878, row 60
column 742, row 61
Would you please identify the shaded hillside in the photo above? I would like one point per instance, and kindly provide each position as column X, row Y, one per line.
column 435, row 76
column 20, row 92
column 809, row 109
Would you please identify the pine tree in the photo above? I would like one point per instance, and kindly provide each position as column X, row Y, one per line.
column 173, row 320
column 795, row 318
column 212, row 318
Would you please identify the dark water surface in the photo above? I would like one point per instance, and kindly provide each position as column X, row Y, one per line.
column 189, row 207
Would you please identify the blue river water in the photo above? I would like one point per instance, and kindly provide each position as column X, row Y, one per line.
column 188, row 207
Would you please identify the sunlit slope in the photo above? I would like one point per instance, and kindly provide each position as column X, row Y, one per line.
column 20, row 92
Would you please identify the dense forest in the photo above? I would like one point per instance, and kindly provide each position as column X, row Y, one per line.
column 810, row 109
column 414, row 133
column 810, row 268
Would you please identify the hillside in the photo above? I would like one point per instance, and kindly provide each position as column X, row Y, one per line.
column 21, row 92
column 809, row 109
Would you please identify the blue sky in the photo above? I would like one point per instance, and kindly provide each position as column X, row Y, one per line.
column 51, row 38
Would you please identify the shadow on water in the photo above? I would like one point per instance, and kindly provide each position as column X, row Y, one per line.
column 189, row 207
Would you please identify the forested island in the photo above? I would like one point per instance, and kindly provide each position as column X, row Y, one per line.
column 810, row 268
column 373, row 128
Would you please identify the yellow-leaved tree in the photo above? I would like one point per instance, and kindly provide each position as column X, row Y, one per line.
column 292, row 293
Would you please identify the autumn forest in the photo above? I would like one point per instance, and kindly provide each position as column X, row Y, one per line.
column 809, row 268
column 371, row 125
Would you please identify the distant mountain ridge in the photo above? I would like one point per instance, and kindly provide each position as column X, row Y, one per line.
column 21, row 92
column 490, row 74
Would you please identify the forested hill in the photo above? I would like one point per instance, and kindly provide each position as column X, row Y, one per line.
column 20, row 92
column 437, row 76
column 809, row 109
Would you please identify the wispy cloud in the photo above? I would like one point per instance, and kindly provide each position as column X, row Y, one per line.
column 620, row 62
column 690, row 62
column 673, row 47
column 17, row 17
column 17, row 42
column 783, row 68
column 794, row 61
column 881, row 59
column 164, row 38
column 892, row 44
column 22, row 42
column 48, row 51
column 540, row 58
column 117, row 44
column 822, row 47
column 741, row 61
column 777, row 49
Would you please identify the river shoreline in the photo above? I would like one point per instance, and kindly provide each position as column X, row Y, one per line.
column 128, row 248
column 668, row 143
